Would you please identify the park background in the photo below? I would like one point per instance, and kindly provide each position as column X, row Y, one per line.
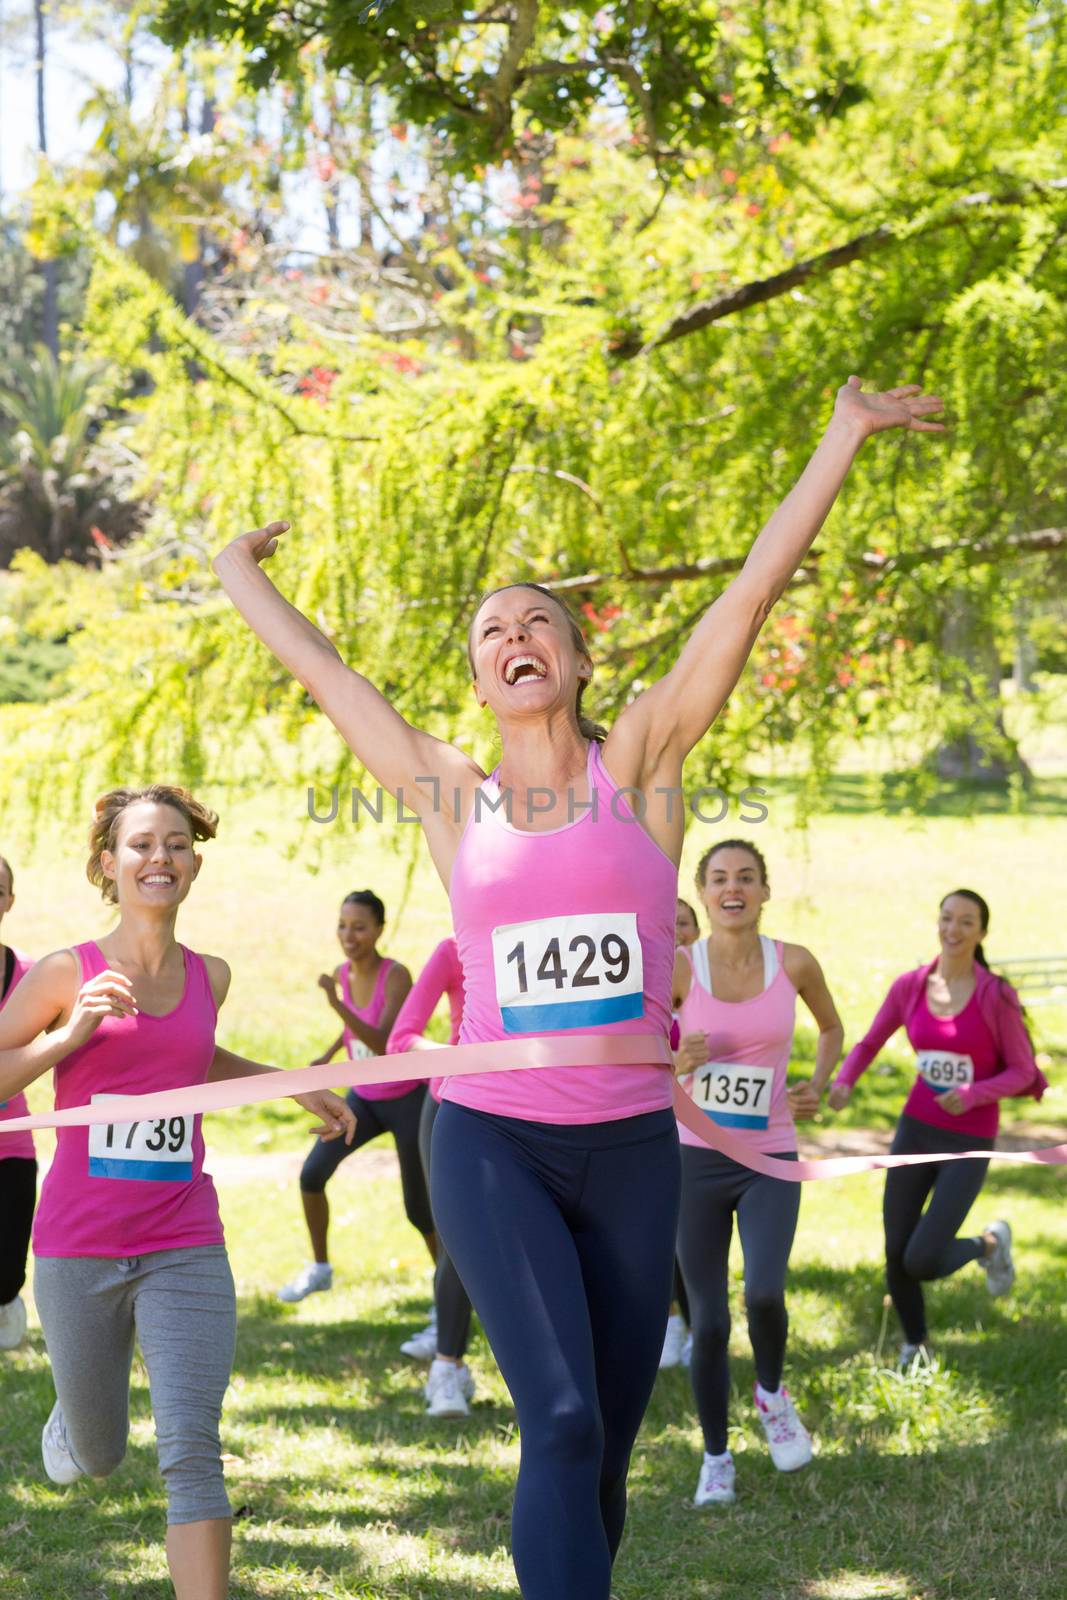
column 564, row 293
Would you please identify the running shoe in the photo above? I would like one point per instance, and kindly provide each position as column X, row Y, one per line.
column 715, row 1486
column 311, row 1280
column 12, row 1324
column 59, row 1464
column 445, row 1388
column 422, row 1346
column 673, row 1342
column 914, row 1355
column 999, row 1267
column 787, row 1438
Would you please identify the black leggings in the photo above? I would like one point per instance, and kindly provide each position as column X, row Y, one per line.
column 713, row 1189
column 18, row 1196
column 921, row 1246
column 400, row 1117
column 564, row 1237
column 451, row 1300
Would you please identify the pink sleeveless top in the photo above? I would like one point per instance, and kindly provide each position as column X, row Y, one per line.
column 371, row 1013
column 126, row 1189
column 442, row 975
column 15, row 1145
column 743, row 1086
column 571, row 929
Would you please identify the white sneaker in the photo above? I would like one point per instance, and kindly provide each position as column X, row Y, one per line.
column 715, row 1486
column 444, row 1390
column 311, row 1280
column 999, row 1267
column 673, row 1342
column 59, row 1464
column 12, row 1324
column 914, row 1355
column 787, row 1438
column 422, row 1346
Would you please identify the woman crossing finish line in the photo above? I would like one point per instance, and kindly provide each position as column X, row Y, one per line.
column 556, row 1189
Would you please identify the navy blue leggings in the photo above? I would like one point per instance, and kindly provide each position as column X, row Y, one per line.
column 564, row 1238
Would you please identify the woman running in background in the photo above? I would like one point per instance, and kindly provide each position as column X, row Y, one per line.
column 972, row 1050
column 737, row 994
column 18, row 1159
column 366, row 991
column 449, row 1386
column 677, row 1341
column 556, row 1187
column 128, row 1241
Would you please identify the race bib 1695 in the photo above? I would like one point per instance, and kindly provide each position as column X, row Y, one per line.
column 944, row 1069
column 568, row 972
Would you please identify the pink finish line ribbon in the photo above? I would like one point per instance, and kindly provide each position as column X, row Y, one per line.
column 505, row 1055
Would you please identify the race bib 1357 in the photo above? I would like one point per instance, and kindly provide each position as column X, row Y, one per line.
column 568, row 972
column 734, row 1095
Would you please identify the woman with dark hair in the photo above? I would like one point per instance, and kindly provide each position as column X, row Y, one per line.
column 972, row 1050
column 366, row 992
column 556, row 1188
column 18, row 1158
column 736, row 994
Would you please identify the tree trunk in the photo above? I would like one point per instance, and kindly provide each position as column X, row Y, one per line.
column 49, row 269
column 966, row 635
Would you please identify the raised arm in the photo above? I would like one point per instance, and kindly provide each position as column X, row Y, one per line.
column 673, row 714
column 387, row 745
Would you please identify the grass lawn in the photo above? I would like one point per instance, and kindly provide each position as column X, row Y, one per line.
column 946, row 1487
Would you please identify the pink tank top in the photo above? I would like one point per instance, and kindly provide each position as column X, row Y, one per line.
column 743, row 1086
column 571, row 929
column 371, row 1013
column 949, row 1053
column 15, row 1145
column 127, row 1189
column 442, row 975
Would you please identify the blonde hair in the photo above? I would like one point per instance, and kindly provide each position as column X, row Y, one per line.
column 586, row 726
column 108, row 810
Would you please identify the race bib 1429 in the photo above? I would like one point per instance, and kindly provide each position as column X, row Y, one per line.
column 161, row 1150
column 568, row 972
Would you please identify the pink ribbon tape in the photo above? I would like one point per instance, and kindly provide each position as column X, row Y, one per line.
column 506, row 1055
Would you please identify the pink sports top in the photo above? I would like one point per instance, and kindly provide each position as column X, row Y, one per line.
column 569, row 929
column 357, row 1050
column 743, row 1084
column 442, row 975
column 126, row 1189
column 15, row 1145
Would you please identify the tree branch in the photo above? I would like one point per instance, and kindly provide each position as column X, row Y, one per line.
column 869, row 564
column 758, row 292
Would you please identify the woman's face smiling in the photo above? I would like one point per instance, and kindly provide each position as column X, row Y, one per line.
column 524, row 655
column 959, row 927
column 358, row 930
column 733, row 890
column 153, row 863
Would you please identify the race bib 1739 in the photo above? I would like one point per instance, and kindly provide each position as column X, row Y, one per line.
column 943, row 1069
column 568, row 972
column 734, row 1095
column 161, row 1150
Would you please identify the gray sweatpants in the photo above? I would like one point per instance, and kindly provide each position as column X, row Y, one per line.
column 181, row 1306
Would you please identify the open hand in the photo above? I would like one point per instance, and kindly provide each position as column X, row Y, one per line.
column 336, row 1115
column 260, row 544
column 905, row 407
